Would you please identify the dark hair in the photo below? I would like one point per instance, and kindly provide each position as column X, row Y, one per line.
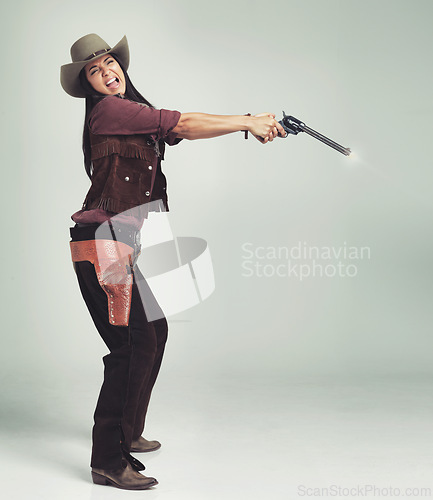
column 92, row 98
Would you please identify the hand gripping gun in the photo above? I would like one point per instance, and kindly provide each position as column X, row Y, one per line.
column 293, row 126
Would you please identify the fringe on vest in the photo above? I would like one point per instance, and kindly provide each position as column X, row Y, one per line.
column 117, row 206
column 126, row 149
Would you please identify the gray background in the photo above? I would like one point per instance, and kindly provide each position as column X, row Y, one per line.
column 359, row 72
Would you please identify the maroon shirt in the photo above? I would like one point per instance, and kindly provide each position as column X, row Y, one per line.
column 115, row 115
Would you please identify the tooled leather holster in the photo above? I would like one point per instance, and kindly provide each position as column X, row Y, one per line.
column 113, row 261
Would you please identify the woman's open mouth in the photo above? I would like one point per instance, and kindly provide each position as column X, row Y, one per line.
column 113, row 83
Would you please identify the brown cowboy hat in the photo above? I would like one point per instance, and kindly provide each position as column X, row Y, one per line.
column 84, row 50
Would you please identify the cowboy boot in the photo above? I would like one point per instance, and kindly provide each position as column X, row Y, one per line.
column 142, row 445
column 125, row 478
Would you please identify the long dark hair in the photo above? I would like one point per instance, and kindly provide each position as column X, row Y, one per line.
column 92, row 98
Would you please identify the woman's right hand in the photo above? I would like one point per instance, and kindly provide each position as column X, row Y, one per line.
column 265, row 128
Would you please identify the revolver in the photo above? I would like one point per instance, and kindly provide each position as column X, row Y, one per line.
column 293, row 126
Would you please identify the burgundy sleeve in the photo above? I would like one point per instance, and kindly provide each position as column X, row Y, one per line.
column 172, row 139
column 116, row 116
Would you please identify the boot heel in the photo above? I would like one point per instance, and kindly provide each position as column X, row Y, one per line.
column 97, row 479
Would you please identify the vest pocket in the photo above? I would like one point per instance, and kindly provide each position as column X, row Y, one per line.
column 128, row 183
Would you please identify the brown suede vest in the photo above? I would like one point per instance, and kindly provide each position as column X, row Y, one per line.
column 126, row 173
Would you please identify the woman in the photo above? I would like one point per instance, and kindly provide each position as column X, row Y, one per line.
column 123, row 143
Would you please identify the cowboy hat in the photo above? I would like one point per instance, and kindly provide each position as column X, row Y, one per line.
column 85, row 50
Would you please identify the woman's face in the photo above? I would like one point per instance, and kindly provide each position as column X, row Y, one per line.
column 105, row 75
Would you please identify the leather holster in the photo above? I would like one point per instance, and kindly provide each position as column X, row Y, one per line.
column 113, row 267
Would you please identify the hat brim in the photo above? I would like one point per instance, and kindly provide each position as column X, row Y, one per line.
column 69, row 73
